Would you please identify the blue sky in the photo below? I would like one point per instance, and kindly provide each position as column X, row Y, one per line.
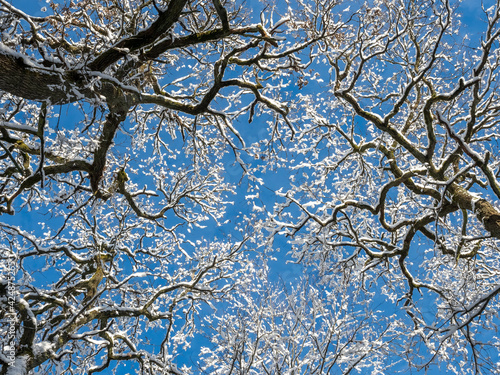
column 273, row 181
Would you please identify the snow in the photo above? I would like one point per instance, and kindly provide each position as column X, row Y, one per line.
column 19, row 367
column 115, row 81
column 4, row 50
column 14, row 125
column 42, row 347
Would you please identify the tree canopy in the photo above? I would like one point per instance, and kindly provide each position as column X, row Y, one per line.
column 231, row 187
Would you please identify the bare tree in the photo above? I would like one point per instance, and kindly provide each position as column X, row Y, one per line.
column 101, row 99
column 309, row 328
column 118, row 121
column 398, row 173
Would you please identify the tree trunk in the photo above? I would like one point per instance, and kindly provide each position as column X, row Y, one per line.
column 484, row 210
column 20, row 366
column 24, row 78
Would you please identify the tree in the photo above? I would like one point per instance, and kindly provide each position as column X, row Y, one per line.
column 399, row 175
column 387, row 139
column 99, row 100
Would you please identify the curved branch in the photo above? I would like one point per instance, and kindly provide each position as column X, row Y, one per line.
column 144, row 38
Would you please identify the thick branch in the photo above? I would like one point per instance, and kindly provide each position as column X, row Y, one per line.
column 142, row 39
column 23, row 78
column 221, row 11
column 484, row 210
column 113, row 120
column 75, row 165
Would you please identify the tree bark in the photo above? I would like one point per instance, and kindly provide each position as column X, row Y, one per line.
column 484, row 210
column 22, row 77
